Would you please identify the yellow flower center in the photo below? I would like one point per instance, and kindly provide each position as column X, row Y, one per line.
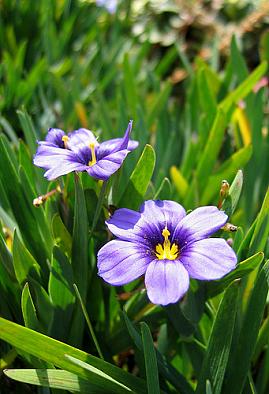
column 65, row 138
column 93, row 160
column 166, row 251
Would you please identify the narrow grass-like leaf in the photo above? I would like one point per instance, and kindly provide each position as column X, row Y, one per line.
column 86, row 316
column 182, row 325
column 179, row 181
column 239, row 363
column 28, row 129
column 166, row 370
column 244, row 88
column 150, row 361
column 115, row 386
column 55, row 379
column 55, row 352
column 61, row 234
column 6, row 258
column 164, row 191
column 28, row 309
column 210, row 152
column 61, row 294
column 139, row 180
column 129, row 84
column 232, row 199
column 158, row 104
column 261, row 231
column 25, row 265
column 226, row 171
column 218, row 348
column 79, row 257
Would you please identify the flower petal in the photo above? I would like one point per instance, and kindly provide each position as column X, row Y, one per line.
column 166, row 281
column 110, row 146
column 199, row 224
column 208, row 259
column 62, row 168
column 105, row 167
column 162, row 213
column 127, row 225
column 49, row 156
column 54, row 138
column 117, row 144
column 121, row 262
column 81, row 138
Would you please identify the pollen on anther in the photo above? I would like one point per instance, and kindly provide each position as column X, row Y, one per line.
column 65, row 139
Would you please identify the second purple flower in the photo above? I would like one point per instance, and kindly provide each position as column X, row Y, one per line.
column 60, row 153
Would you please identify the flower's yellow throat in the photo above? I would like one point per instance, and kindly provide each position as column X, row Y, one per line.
column 65, row 138
column 93, row 160
column 166, row 251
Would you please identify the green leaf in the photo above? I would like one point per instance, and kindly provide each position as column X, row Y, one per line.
column 115, row 386
column 28, row 309
column 226, row 171
column 55, row 379
column 25, row 265
column 61, row 294
column 150, row 360
column 164, row 191
column 139, row 180
column 28, row 129
column 79, row 257
column 211, row 149
column 182, row 325
column 238, row 62
column 158, row 104
column 244, row 88
column 6, row 258
column 218, row 348
column 179, row 181
column 61, row 234
column 240, row 360
column 165, row 369
column 261, row 230
column 55, row 352
column 129, row 85
column 80, row 240
column 232, row 199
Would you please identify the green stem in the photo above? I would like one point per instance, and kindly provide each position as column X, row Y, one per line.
column 99, row 207
column 89, row 324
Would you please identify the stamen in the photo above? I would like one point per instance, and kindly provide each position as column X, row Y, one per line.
column 93, row 160
column 65, row 139
column 166, row 251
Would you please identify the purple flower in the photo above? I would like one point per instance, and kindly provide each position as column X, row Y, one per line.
column 60, row 154
column 166, row 245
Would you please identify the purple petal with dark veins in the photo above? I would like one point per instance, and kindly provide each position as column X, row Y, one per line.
column 117, row 144
column 105, row 167
column 120, row 262
column 199, row 224
column 48, row 156
column 130, row 225
column 207, row 259
column 54, row 138
column 62, row 168
column 160, row 213
column 166, row 281
column 80, row 138
column 57, row 161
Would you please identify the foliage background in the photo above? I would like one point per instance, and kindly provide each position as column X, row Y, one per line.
column 192, row 75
